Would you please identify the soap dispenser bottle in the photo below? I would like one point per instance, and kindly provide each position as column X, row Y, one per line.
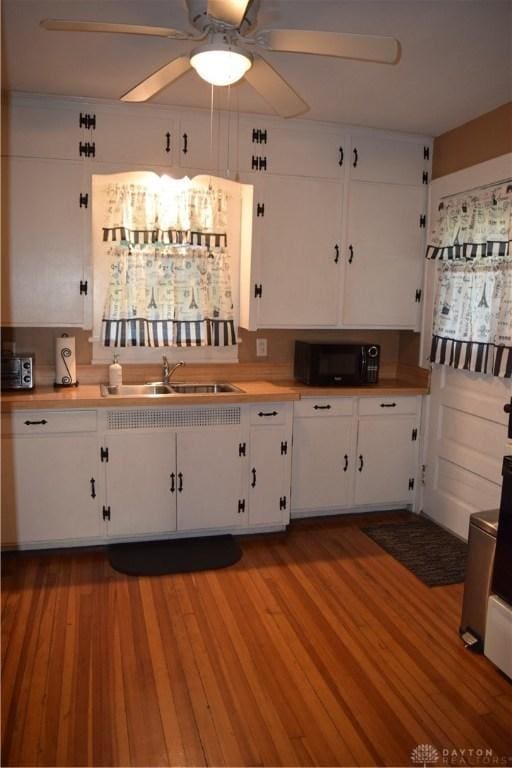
column 115, row 373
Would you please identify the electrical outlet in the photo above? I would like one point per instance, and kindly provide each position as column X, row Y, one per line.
column 261, row 348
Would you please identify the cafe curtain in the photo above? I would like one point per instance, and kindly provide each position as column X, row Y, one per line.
column 472, row 320
column 170, row 269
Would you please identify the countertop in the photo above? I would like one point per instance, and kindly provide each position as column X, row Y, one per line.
column 89, row 396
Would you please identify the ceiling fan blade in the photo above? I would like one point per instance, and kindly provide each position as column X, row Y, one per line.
column 274, row 89
column 65, row 25
column 158, row 80
column 378, row 48
column 231, row 12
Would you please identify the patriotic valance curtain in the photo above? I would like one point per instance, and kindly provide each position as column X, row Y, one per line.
column 472, row 319
column 170, row 269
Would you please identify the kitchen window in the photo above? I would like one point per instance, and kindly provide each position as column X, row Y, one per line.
column 166, row 267
column 472, row 322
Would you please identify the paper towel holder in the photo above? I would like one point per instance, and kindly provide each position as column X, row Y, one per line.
column 67, row 378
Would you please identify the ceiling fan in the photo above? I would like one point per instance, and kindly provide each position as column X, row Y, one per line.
column 227, row 52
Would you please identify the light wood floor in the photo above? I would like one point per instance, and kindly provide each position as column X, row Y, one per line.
column 317, row 648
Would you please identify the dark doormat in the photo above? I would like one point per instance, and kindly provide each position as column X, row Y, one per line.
column 434, row 555
column 155, row 558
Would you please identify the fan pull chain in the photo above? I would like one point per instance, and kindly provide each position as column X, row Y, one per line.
column 211, row 128
column 228, row 130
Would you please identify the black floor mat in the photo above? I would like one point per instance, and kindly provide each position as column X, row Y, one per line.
column 434, row 555
column 155, row 558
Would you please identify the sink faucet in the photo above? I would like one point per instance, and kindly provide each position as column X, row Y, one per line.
column 167, row 371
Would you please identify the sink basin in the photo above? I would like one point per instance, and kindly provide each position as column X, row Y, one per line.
column 151, row 389
column 200, row 389
column 136, row 390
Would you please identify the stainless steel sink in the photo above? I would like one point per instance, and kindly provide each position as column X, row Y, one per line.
column 136, row 390
column 186, row 388
column 155, row 388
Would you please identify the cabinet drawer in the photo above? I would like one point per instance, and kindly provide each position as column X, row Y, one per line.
column 48, row 422
column 269, row 413
column 381, row 406
column 324, row 406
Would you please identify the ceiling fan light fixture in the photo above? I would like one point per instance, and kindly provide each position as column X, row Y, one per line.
column 220, row 63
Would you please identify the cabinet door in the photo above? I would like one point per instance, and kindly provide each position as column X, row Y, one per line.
column 141, row 490
column 386, row 460
column 43, row 234
column 50, row 489
column 202, row 142
column 50, row 130
column 322, row 462
column 127, row 134
column 209, row 468
column 291, row 148
column 269, row 476
column 383, row 158
column 384, row 254
column 296, row 247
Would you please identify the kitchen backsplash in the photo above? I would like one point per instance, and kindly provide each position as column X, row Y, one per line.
column 396, row 346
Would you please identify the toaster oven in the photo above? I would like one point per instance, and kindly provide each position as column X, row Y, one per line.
column 17, row 372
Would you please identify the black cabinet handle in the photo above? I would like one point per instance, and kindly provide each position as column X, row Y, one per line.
column 269, row 413
column 185, row 143
column 356, row 158
column 32, row 423
column 253, row 484
column 93, row 488
column 340, row 161
column 167, row 142
column 361, row 463
column 337, row 252
column 388, row 405
column 351, row 254
column 346, row 463
column 180, row 483
column 172, row 489
column 322, row 407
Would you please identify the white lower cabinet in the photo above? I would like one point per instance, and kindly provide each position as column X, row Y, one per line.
column 210, row 473
column 165, row 480
column 270, row 454
column 352, row 452
column 322, row 453
column 385, row 460
column 139, row 482
column 78, row 477
column 50, row 480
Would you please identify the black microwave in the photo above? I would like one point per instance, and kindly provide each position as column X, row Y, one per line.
column 336, row 365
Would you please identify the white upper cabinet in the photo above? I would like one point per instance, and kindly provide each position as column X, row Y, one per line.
column 295, row 148
column 338, row 221
column 162, row 137
column 203, row 141
column 383, row 255
column 387, row 158
column 129, row 133
column 43, row 128
column 44, row 236
column 296, row 251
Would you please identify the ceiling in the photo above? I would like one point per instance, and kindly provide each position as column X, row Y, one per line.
column 456, row 58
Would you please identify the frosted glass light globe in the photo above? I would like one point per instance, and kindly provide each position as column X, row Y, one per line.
column 220, row 64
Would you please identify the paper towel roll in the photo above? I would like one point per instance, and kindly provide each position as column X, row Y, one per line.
column 65, row 361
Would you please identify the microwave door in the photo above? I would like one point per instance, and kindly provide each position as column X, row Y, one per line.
column 362, row 369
